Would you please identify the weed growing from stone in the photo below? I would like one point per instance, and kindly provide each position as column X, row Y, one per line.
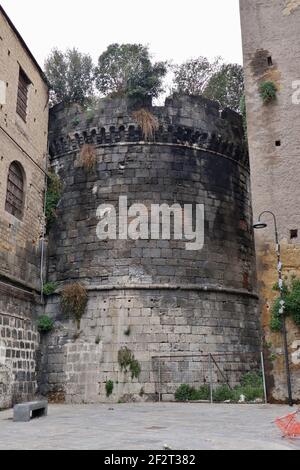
column 97, row 340
column 49, row 288
column 128, row 362
column 127, row 332
column 147, row 122
column 45, row 324
column 88, row 157
column 268, row 92
column 74, row 300
column 109, row 387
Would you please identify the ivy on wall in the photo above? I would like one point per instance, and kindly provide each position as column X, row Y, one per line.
column 291, row 296
column 53, row 195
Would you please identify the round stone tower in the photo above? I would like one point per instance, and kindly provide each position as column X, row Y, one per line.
column 162, row 303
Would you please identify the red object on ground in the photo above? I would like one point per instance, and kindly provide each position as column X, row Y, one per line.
column 290, row 425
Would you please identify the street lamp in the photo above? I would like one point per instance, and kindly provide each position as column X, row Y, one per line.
column 262, row 225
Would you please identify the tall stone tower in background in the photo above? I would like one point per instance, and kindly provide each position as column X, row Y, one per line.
column 271, row 45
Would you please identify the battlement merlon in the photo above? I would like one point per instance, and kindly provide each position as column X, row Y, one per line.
column 183, row 120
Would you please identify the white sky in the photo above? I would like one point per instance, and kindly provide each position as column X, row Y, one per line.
column 174, row 29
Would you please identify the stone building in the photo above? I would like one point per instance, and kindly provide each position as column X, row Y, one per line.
column 271, row 44
column 23, row 153
column 151, row 296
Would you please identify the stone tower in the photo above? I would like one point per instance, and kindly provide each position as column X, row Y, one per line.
column 271, row 45
column 151, row 296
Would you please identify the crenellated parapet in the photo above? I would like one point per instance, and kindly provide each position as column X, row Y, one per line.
column 184, row 120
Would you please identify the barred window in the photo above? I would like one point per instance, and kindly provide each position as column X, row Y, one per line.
column 22, row 97
column 15, row 190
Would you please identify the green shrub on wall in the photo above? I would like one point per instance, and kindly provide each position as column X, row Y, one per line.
column 128, row 362
column 109, row 387
column 268, row 92
column 49, row 288
column 124, row 358
column 45, row 324
column 291, row 296
column 135, row 369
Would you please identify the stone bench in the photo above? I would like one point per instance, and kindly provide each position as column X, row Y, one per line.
column 27, row 411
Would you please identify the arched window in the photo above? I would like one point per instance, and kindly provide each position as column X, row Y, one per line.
column 15, row 190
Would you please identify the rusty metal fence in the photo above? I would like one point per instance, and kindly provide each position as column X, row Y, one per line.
column 196, row 370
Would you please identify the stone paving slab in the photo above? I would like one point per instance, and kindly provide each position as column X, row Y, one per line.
column 149, row 426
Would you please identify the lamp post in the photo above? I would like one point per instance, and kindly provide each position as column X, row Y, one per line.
column 262, row 225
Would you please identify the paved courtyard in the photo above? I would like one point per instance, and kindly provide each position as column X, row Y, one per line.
column 149, row 426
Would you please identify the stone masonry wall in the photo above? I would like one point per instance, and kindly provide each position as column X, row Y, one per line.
column 152, row 295
column 273, row 133
column 24, row 143
column 151, row 323
column 19, row 341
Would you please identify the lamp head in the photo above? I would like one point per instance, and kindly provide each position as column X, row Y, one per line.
column 260, row 225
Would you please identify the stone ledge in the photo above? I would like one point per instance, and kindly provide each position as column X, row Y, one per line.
column 17, row 292
column 12, row 315
column 12, row 281
column 187, row 287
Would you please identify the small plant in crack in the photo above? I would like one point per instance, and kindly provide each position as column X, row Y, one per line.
column 127, row 332
column 128, row 362
column 109, row 387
